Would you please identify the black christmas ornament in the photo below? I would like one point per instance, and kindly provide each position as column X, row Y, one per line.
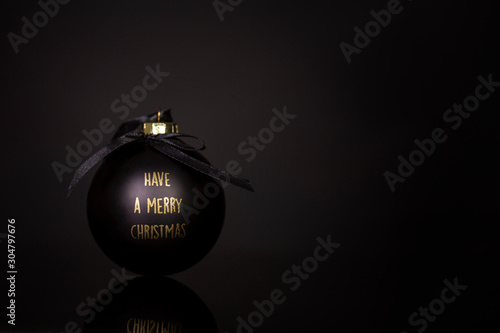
column 155, row 205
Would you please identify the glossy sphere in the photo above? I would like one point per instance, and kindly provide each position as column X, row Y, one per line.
column 151, row 214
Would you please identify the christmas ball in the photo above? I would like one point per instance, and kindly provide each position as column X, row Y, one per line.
column 153, row 304
column 150, row 213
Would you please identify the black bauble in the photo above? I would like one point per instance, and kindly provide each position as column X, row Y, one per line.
column 152, row 214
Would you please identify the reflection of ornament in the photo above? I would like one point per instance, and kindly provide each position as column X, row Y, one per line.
column 154, row 206
column 153, row 304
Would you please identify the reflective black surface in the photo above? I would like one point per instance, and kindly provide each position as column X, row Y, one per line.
column 153, row 304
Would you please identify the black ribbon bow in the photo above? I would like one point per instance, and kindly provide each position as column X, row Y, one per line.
column 167, row 144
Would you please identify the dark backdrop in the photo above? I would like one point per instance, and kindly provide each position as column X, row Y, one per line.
column 322, row 175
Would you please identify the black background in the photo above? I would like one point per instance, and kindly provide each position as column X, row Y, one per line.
column 322, row 175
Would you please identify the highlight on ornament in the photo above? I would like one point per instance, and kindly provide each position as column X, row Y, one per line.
column 141, row 205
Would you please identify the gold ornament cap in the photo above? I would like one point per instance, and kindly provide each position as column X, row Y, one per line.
column 159, row 127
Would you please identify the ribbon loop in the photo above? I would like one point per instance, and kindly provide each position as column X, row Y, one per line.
column 168, row 144
column 166, row 138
